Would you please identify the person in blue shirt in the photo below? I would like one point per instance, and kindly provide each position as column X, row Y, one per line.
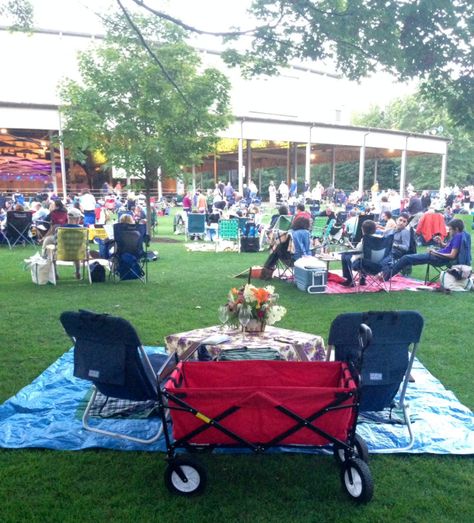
column 448, row 252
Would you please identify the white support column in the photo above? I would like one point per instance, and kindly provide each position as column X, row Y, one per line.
column 241, row 168
column 63, row 159
column 376, row 168
column 333, row 166
column 403, row 170
column 307, row 167
column 193, row 170
column 444, row 168
column 249, row 162
column 362, row 165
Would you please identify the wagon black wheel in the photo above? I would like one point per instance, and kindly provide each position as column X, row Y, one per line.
column 360, row 451
column 185, row 476
column 357, row 480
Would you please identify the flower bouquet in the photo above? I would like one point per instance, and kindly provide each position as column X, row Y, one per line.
column 260, row 302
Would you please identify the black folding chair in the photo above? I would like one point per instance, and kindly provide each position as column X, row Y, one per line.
column 386, row 363
column 108, row 352
column 129, row 261
column 464, row 258
column 18, row 228
column 376, row 253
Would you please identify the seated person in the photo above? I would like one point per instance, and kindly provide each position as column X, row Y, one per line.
column 282, row 211
column 351, row 260
column 350, row 225
column 300, row 228
column 401, row 237
column 328, row 213
column 448, row 252
column 302, row 219
column 386, row 222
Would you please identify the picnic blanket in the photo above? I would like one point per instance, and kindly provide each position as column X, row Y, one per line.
column 44, row 414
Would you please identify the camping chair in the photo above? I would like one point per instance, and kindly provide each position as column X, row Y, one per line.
column 358, row 232
column 228, row 230
column 129, row 260
column 387, row 361
column 464, row 258
column 72, row 246
column 376, row 253
column 108, row 352
column 319, row 227
column 195, row 225
column 18, row 228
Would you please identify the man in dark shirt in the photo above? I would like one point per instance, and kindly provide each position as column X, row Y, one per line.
column 415, row 206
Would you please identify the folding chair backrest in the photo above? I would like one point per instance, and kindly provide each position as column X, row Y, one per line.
column 18, row 225
column 58, row 217
column 375, row 249
column 464, row 254
column 386, row 360
column 362, row 218
column 229, row 229
column 283, row 223
column 196, row 223
column 129, row 238
column 319, row 226
column 242, row 225
column 106, row 352
column 72, row 243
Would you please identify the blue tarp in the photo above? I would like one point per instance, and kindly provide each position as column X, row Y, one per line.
column 44, row 415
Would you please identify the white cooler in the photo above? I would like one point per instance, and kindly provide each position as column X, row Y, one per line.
column 311, row 275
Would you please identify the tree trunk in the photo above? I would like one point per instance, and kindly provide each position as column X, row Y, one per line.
column 150, row 176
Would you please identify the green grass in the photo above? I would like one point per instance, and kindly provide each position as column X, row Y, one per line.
column 183, row 292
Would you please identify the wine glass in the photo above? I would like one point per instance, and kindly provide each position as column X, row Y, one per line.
column 223, row 315
column 245, row 315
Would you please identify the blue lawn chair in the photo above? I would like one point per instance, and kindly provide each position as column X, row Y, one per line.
column 195, row 225
column 108, row 352
column 387, row 361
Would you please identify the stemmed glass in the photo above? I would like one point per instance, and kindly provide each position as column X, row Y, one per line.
column 223, row 315
column 245, row 315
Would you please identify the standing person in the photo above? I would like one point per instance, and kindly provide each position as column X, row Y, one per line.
column 229, row 193
column 425, row 200
column 284, row 191
column 87, row 205
column 272, row 193
column 293, row 188
column 253, row 189
column 448, row 252
column 118, row 189
column 201, row 202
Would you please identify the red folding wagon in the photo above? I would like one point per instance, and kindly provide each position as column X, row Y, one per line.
column 259, row 405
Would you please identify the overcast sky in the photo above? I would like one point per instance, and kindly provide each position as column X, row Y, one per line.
column 213, row 15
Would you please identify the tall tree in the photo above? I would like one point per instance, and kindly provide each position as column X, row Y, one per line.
column 415, row 113
column 145, row 108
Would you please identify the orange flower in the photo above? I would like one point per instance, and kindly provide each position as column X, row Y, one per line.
column 261, row 295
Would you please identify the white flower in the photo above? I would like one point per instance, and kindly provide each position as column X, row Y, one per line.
column 270, row 289
column 248, row 293
column 274, row 314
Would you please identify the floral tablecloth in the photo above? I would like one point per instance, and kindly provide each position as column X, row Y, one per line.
column 292, row 345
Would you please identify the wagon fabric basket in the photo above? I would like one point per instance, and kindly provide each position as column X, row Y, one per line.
column 255, row 391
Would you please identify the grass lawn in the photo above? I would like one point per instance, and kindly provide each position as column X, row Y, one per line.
column 184, row 292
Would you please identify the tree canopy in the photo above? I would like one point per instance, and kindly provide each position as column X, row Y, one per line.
column 139, row 117
column 426, row 39
column 416, row 113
